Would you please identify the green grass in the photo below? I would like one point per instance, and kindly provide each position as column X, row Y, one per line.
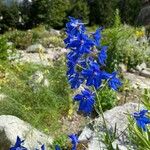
column 42, row 109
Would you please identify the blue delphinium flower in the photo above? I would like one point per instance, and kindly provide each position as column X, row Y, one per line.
column 74, row 141
column 75, row 26
column 18, row 145
column 75, row 80
column 97, row 36
column 84, row 62
column 81, row 44
column 113, row 82
column 86, row 101
column 102, row 56
column 93, row 75
column 141, row 119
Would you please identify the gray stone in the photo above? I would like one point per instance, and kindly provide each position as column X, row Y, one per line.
column 116, row 117
column 145, row 73
column 137, row 81
column 141, row 67
column 123, row 68
column 11, row 127
column 36, row 48
column 38, row 80
column 54, row 32
column 2, row 96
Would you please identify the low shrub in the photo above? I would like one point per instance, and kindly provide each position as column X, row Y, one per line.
column 125, row 46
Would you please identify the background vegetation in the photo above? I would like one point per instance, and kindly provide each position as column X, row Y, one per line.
column 54, row 13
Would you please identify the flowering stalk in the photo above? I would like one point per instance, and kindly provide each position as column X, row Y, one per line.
column 85, row 61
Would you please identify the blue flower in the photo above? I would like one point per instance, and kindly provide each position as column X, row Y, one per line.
column 86, row 101
column 43, row 147
column 57, row 147
column 75, row 80
column 82, row 44
column 93, row 75
column 74, row 141
column 75, row 26
column 113, row 82
column 18, row 145
column 102, row 55
column 141, row 119
column 97, row 36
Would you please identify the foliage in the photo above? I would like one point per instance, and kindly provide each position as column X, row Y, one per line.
column 138, row 136
column 26, row 16
column 58, row 12
column 3, row 49
column 129, row 10
column 102, row 11
column 36, row 35
column 124, row 47
column 42, row 109
column 9, row 16
column 80, row 9
column 107, row 98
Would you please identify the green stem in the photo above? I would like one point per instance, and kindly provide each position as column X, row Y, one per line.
column 102, row 114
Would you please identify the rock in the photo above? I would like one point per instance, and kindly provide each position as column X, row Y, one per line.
column 123, row 68
column 137, row 81
column 2, row 96
column 145, row 73
column 54, row 32
column 11, row 127
column 36, row 48
column 114, row 117
column 38, row 80
column 141, row 67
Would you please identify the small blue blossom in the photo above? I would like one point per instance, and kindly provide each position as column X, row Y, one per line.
column 75, row 80
column 75, row 26
column 86, row 101
column 74, row 141
column 102, row 55
column 93, row 75
column 97, row 36
column 113, row 82
column 18, row 145
column 141, row 119
column 81, row 44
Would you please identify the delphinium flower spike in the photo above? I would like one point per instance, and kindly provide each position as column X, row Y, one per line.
column 84, row 63
column 141, row 119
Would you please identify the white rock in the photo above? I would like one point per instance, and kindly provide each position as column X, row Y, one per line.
column 2, row 96
column 36, row 48
column 123, row 68
column 11, row 127
column 141, row 67
column 114, row 117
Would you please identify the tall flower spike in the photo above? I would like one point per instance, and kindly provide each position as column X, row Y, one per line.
column 141, row 119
